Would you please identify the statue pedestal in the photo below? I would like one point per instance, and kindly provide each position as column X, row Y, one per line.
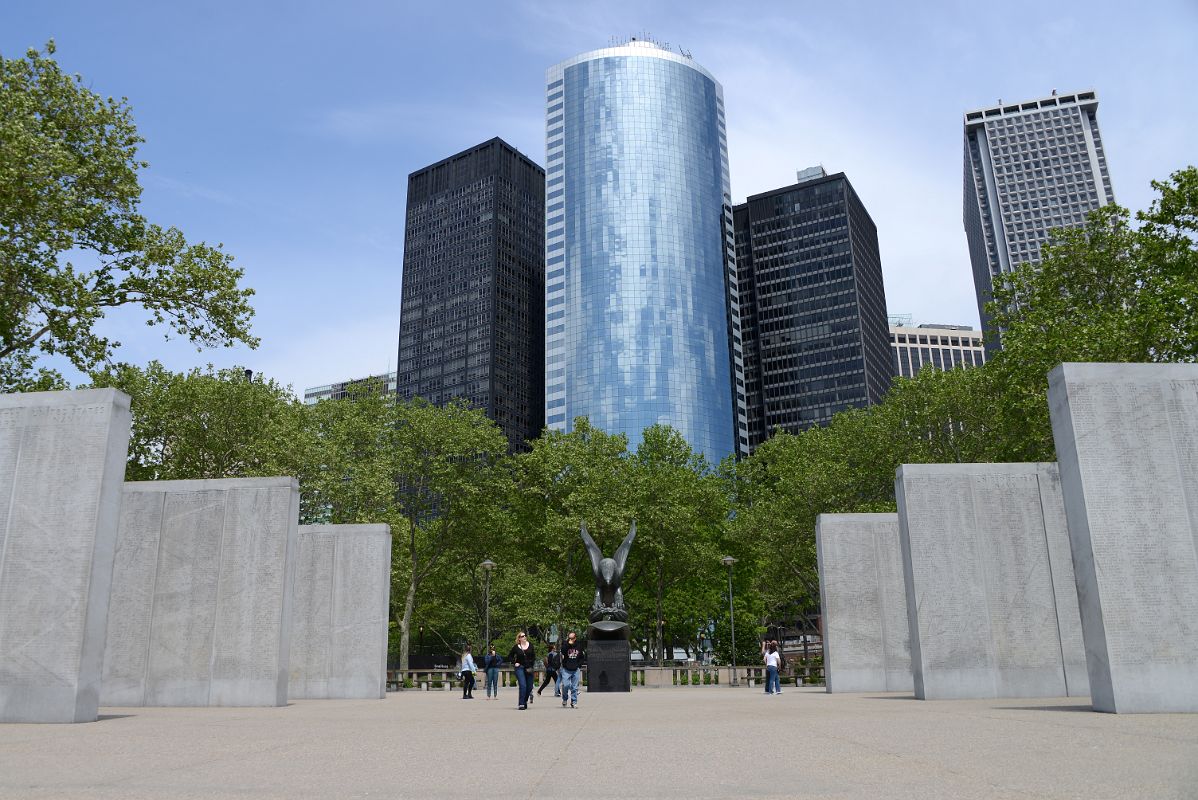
column 609, row 665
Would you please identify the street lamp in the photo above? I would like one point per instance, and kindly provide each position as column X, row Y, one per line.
column 487, row 566
column 728, row 561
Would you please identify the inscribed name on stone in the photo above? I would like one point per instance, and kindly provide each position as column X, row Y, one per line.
column 863, row 603
column 1127, row 439
column 340, row 613
column 202, row 593
column 991, row 607
column 62, row 463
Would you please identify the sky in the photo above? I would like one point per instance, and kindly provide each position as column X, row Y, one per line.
column 287, row 130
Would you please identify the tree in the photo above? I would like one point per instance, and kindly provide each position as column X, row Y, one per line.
column 680, row 506
column 1103, row 292
column 434, row 474
column 72, row 243
column 564, row 479
column 208, row 423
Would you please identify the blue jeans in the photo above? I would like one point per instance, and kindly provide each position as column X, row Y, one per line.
column 569, row 680
column 524, row 679
column 492, row 681
column 772, row 684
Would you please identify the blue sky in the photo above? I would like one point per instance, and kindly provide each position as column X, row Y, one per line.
column 286, row 130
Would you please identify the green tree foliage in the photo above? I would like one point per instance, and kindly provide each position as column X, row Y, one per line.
column 208, row 423
column 434, row 474
column 72, row 243
column 564, row 479
column 680, row 508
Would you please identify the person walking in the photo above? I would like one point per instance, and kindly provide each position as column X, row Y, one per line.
column 553, row 663
column 773, row 660
column 491, row 664
column 467, row 675
column 571, row 669
column 522, row 658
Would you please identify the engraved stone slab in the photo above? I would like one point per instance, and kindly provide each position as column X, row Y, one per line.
column 1127, row 440
column 863, row 603
column 62, row 462
column 201, row 603
column 341, row 612
column 991, row 605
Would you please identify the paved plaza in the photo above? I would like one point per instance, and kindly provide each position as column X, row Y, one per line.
column 685, row 742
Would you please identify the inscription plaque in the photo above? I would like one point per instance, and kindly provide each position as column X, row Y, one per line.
column 62, row 461
column 207, row 615
column 1127, row 439
column 863, row 603
column 340, row 617
column 988, row 582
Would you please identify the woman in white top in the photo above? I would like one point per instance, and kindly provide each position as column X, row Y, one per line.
column 773, row 659
column 467, row 675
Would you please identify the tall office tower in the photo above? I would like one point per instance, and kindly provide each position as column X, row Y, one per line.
column 941, row 346
column 1029, row 167
column 471, row 319
column 641, row 317
column 813, row 306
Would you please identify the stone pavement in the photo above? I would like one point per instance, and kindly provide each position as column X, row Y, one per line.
column 695, row 742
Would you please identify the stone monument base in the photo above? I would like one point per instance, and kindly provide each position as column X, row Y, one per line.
column 609, row 665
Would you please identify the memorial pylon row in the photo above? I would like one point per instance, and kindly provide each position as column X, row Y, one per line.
column 986, row 557
column 172, row 593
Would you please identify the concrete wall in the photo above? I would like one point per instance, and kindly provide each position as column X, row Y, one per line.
column 201, row 602
column 991, row 605
column 62, row 462
column 340, row 614
column 864, row 605
column 1127, row 440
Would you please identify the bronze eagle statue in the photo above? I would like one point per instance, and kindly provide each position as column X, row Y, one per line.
column 609, row 572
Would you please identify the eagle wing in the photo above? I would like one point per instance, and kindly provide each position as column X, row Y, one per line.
column 622, row 551
column 593, row 551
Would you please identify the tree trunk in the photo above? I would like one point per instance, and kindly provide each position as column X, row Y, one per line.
column 405, row 624
column 661, row 645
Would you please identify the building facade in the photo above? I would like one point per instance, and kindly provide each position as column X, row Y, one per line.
column 1029, row 167
column 349, row 390
column 471, row 319
column 641, row 303
column 813, row 305
column 941, row 346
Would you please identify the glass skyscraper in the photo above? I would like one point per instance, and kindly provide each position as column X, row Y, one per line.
column 641, row 307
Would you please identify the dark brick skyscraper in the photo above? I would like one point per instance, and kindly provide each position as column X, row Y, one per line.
column 813, row 307
column 472, row 315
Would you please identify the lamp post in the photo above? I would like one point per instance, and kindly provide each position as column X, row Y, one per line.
column 487, row 566
column 728, row 561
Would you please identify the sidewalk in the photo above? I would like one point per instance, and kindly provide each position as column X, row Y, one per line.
column 673, row 743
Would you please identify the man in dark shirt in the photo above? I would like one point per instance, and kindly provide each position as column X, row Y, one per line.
column 572, row 658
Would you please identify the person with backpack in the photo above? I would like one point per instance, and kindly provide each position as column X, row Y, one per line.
column 467, row 675
column 553, row 663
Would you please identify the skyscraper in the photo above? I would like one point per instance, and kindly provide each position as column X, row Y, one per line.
column 640, row 294
column 1029, row 167
column 813, row 306
column 471, row 319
